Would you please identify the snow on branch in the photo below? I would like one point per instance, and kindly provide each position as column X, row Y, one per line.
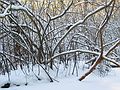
column 12, row 8
column 110, row 43
column 113, row 47
column 64, row 12
column 73, row 51
column 91, row 13
column 16, row 7
column 112, row 61
column 5, row 13
column 81, row 22
column 4, row 2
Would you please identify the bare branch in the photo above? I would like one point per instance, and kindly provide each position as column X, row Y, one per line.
column 63, row 13
column 81, row 22
column 73, row 51
column 113, row 47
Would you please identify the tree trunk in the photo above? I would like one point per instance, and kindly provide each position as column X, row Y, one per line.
column 98, row 61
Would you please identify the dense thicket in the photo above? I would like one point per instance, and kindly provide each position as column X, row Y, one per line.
column 50, row 33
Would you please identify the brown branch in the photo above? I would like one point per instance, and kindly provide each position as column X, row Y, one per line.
column 100, row 58
column 81, row 22
column 93, row 67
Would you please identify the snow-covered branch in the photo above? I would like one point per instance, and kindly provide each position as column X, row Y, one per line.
column 64, row 12
column 110, row 43
column 73, row 51
column 12, row 8
column 112, row 61
column 113, row 47
column 81, row 22
column 5, row 13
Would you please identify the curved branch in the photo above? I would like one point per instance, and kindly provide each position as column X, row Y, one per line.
column 63, row 13
column 81, row 22
column 72, row 51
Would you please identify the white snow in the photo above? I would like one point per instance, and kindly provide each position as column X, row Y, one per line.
column 13, row 7
column 92, row 82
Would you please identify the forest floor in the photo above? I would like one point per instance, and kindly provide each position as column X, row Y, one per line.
column 92, row 82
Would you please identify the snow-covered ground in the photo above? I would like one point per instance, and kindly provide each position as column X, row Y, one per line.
column 92, row 82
